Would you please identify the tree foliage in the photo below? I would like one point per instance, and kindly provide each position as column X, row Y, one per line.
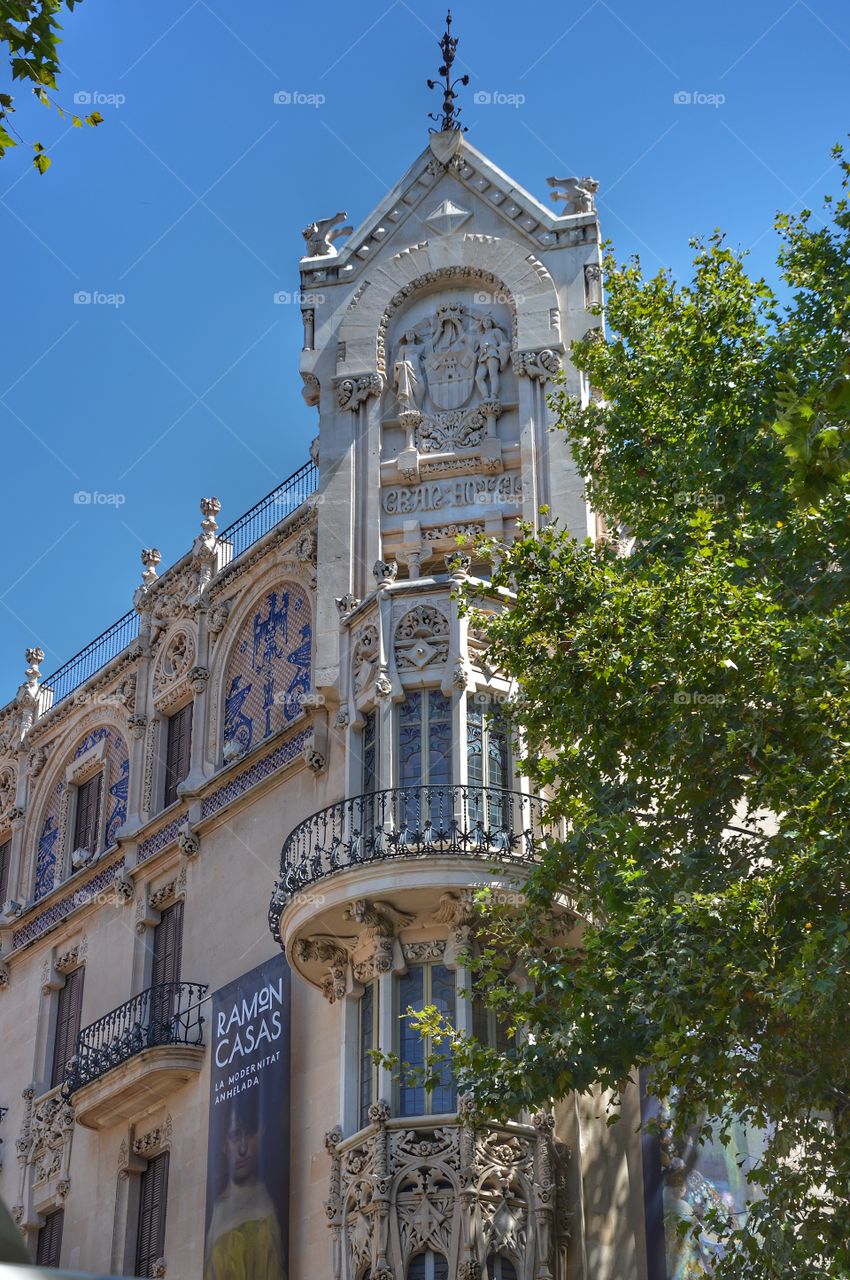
column 29, row 29
column 687, row 706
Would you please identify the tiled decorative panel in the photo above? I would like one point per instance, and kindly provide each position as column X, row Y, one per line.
column 255, row 773
column 116, row 770
column 165, row 835
column 269, row 670
column 40, row 924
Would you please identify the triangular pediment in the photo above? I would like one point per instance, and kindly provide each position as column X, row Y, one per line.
column 441, row 191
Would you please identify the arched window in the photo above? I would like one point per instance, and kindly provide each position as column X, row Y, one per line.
column 500, row 1268
column 269, row 672
column 428, row 1266
column 84, row 813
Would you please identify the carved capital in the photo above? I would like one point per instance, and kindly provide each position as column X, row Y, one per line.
column 542, row 365
column 385, row 572
column 346, row 604
column 352, row 392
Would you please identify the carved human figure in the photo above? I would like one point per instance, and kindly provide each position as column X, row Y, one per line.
column 407, row 372
column 493, row 352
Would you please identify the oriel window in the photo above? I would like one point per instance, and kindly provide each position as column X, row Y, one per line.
column 425, row 984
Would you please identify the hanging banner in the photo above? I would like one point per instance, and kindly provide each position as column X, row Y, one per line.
column 247, row 1222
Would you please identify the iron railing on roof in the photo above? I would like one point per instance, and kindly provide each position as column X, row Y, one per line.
column 271, row 509
column 242, row 534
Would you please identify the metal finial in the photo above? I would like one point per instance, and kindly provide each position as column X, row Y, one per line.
column 448, row 120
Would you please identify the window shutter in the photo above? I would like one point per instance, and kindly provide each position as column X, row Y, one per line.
column 150, row 1236
column 5, row 859
column 178, row 746
column 168, row 946
column 87, row 817
column 68, row 1014
column 49, row 1243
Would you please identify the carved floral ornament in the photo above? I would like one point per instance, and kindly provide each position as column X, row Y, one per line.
column 462, row 1190
column 175, row 660
column 365, row 656
column 421, row 637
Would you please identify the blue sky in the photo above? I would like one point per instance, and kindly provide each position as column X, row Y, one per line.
column 186, row 208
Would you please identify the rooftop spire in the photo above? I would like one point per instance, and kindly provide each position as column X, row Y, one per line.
column 449, row 119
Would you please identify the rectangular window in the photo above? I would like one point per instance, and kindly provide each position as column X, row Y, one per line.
column 370, row 752
column 5, row 861
column 165, row 972
column 425, row 740
column 48, row 1246
column 150, row 1234
column 178, row 744
column 368, row 1040
column 68, row 1012
column 87, row 816
column 425, row 984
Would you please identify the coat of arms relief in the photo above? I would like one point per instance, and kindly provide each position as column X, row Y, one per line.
column 447, row 374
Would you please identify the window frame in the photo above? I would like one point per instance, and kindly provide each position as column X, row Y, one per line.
column 71, row 992
column 405, row 1092
column 149, row 1244
column 374, row 988
column 424, row 695
column 171, row 768
column 49, row 1239
column 5, row 870
column 93, row 826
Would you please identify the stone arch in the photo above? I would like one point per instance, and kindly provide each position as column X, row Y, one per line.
column 266, row 668
column 499, row 264
column 46, row 838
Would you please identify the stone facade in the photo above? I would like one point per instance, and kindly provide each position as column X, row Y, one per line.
column 329, row 673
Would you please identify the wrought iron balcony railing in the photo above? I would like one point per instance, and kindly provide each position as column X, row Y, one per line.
column 168, row 1014
column 410, row 822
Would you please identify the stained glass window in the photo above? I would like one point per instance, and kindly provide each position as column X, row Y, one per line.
column 425, row 984
column 425, row 740
column 487, row 761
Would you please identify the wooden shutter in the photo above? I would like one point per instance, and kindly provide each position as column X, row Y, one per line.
column 5, row 859
column 69, row 1010
column 177, row 748
column 167, row 954
column 150, row 1235
column 49, row 1243
column 87, row 817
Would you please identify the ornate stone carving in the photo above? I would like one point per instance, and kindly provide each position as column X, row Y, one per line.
column 577, row 194
column 383, row 685
column 319, row 236
column 175, row 660
column 51, row 1131
column 342, row 719
column 385, row 572
column 542, row 365
column 188, row 840
column 154, row 1140
column 464, row 1190
column 168, row 892
column 451, row 532
column 365, row 656
column 421, row 637
column 123, row 888
column 422, row 952
column 380, row 919
column 331, row 952
column 315, row 760
column 592, row 285
column 5, row 975
column 37, row 761
column 346, row 604
column 8, row 784
column 218, row 615
column 352, row 392
column 458, row 564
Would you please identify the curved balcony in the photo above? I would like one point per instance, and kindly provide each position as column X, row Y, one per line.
column 146, row 1047
column 488, row 823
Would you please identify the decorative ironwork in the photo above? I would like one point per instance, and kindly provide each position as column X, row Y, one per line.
column 167, row 1014
column 449, row 118
column 242, row 534
column 489, row 823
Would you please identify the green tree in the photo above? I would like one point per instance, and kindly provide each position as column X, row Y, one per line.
column 687, row 706
column 29, row 30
